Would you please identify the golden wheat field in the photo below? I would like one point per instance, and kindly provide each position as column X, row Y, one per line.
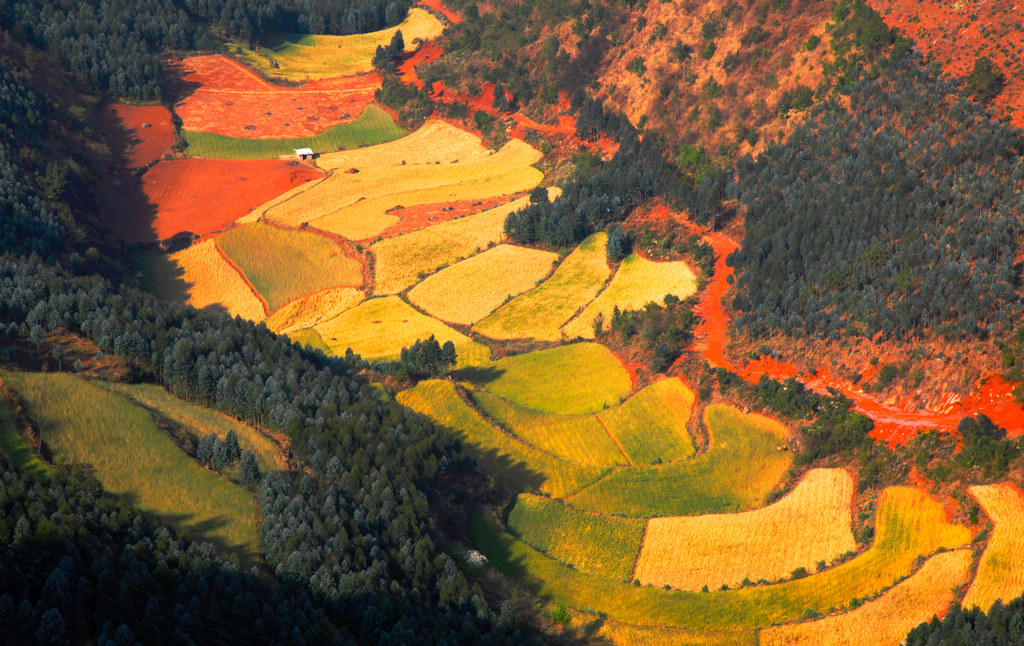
column 314, row 309
column 1001, row 570
column 650, row 426
column 380, row 327
column 471, row 289
column 887, row 619
column 637, row 282
column 434, row 142
column 375, row 190
column 810, row 524
column 306, row 57
column 200, row 276
column 404, row 260
column 541, row 312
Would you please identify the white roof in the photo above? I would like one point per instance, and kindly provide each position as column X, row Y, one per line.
column 303, row 151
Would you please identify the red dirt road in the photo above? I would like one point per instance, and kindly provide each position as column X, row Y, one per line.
column 203, row 195
column 219, row 95
column 436, row 5
column 122, row 126
column 946, row 32
column 895, row 421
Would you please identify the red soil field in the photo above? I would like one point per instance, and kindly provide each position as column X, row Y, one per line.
column 203, row 195
column 436, row 5
column 219, row 95
column 137, row 146
column 895, row 421
column 425, row 215
column 946, row 32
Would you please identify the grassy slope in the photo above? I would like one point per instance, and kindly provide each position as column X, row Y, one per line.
column 541, row 312
column 910, row 524
column 16, row 447
column 284, row 265
column 736, row 473
column 651, row 425
column 1000, row 572
column 570, row 380
column 373, row 126
column 135, row 460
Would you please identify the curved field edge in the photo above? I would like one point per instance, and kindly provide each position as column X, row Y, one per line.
column 809, row 525
column 910, row 525
column 374, row 126
column 742, row 465
column 134, row 459
column 927, row 593
column 650, row 426
column 1001, row 569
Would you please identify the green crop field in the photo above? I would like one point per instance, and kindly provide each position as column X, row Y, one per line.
column 651, row 425
column 570, row 379
column 380, row 327
column 201, row 421
column 512, row 461
column 909, row 524
column 577, row 438
column 373, row 126
column 602, row 545
column 16, row 447
column 284, row 265
column 134, row 459
column 736, row 473
column 541, row 312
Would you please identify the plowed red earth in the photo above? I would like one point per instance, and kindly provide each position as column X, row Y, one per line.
column 895, row 421
column 425, row 215
column 203, row 195
column 219, row 95
column 436, row 5
column 123, row 128
column 946, row 32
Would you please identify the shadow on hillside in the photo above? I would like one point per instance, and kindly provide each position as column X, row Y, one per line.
column 478, row 375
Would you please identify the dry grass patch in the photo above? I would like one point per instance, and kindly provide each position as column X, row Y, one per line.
column 569, row 380
column 202, row 421
column 470, row 290
column 735, row 474
column 602, row 545
column 308, row 57
column 651, row 425
column 888, row 619
column 285, row 264
column 628, row 634
column 380, row 327
column 435, row 142
column 1001, row 570
column 404, row 260
column 512, row 461
column 637, row 282
column 209, row 281
column 134, row 459
column 577, row 438
column 541, row 312
column 809, row 525
column 355, row 205
column 314, row 309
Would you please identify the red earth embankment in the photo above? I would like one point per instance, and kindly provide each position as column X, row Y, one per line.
column 437, row 6
column 219, row 95
column 140, row 134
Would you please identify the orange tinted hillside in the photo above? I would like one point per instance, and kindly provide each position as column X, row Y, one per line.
column 437, row 6
column 123, row 127
column 205, row 195
column 956, row 33
column 219, row 95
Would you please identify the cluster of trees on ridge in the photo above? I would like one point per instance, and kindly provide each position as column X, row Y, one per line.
column 349, row 539
column 115, row 46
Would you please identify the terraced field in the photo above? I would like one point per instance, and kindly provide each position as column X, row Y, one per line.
column 541, row 312
column 650, row 426
column 380, row 327
column 318, row 307
column 14, row 445
column 135, row 459
column 637, row 282
column 303, row 58
column 436, row 142
column 1001, row 570
column 471, row 289
column 285, row 264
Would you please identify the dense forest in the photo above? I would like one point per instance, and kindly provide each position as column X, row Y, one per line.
column 1004, row 624
column 115, row 47
column 898, row 215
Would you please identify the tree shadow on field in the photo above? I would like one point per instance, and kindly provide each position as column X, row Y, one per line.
column 478, row 375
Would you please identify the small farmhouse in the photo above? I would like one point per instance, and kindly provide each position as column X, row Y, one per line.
column 303, row 153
